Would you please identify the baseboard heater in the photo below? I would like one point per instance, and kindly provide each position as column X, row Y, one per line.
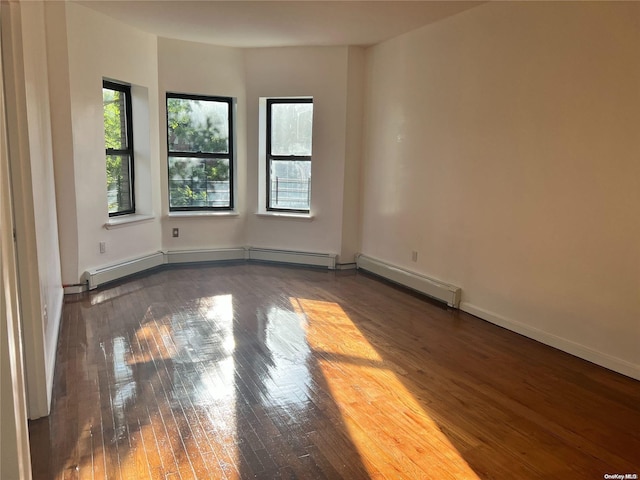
column 327, row 260
column 99, row 276
column 437, row 289
column 203, row 256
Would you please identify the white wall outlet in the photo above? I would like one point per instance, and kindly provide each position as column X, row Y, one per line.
column 414, row 256
column 175, row 232
column 103, row 247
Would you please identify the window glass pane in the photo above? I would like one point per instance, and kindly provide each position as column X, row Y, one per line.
column 291, row 128
column 118, row 183
column 290, row 184
column 198, row 125
column 115, row 123
column 199, row 182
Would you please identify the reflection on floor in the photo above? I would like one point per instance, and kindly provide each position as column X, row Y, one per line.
column 259, row 371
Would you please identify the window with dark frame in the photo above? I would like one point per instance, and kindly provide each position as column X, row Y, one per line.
column 118, row 139
column 289, row 148
column 200, row 152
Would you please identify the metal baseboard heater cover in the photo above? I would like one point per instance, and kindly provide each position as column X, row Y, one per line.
column 199, row 256
column 99, row 276
column 327, row 260
column 437, row 289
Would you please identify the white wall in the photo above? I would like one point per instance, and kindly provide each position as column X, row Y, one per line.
column 89, row 46
column 62, row 136
column 247, row 75
column 188, row 67
column 99, row 47
column 321, row 73
column 502, row 145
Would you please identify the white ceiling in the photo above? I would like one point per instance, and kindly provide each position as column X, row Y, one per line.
column 266, row 23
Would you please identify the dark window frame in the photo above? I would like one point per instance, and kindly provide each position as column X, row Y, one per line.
column 270, row 157
column 230, row 154
column 128, row 152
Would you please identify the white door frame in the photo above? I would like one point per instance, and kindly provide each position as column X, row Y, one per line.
column 14, row 430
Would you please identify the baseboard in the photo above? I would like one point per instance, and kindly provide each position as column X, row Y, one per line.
column 52, row 345
column 203, row 256
column 431, row 287
column 100, row 276
column 346, row 266
column 327, row 260
column 604, row 360
column 75, row 289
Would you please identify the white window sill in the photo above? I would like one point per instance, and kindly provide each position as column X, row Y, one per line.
column 209, row 213
column 126, row 220
column 288, row 215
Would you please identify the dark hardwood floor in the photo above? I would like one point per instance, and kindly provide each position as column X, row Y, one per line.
column 261, row 371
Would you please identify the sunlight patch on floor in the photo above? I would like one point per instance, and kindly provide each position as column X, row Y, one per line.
column 368, row 392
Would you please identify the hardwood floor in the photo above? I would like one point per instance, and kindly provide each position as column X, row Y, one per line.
column 261, row 371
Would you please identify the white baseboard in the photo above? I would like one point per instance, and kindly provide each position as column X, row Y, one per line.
column 102, row 275
column 72, row 289
column 327, row 260
column 573, row 348
column 51, row 339
column 99, row 276
column 346, row 266
column 199, row 256
column 431, row 287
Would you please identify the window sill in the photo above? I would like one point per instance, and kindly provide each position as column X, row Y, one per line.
column 190, row 214
column 126, row 220
column 293, row 216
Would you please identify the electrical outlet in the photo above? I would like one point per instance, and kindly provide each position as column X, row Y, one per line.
column 103, row 247
column 176, row 232
column 414, row 256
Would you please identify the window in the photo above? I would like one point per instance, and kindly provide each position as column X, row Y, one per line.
column 118, row 139
column 200, row 152
column 288, row 154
